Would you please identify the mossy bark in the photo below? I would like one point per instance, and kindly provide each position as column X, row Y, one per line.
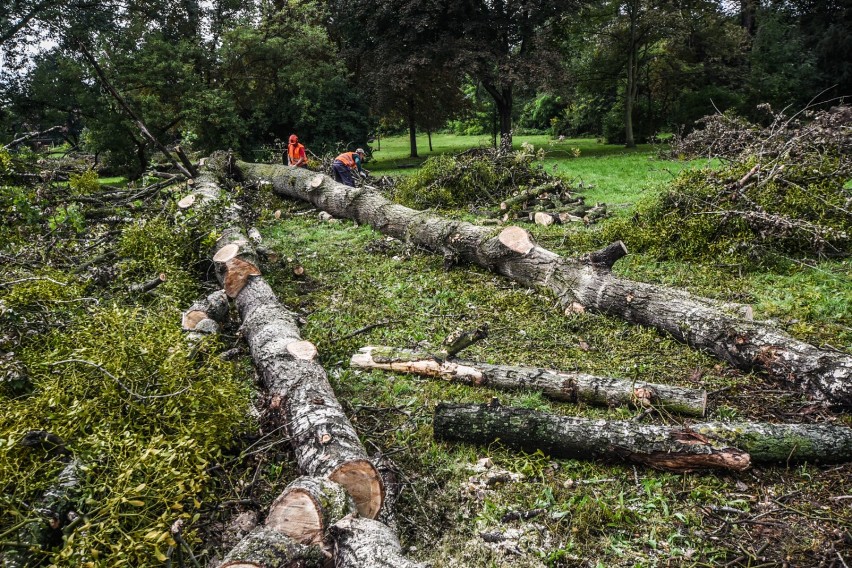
column 364, row 543
column 700, row 446
column 267, row 548
column 558, row 385
column 579, row 283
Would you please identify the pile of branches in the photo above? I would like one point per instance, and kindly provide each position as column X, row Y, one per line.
column 507, row 185
column 781, row 190
column 553, row 202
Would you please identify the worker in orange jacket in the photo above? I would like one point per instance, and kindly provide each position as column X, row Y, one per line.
column 347, row 163
column 296, row 157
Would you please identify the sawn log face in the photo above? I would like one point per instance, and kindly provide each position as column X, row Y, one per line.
column 700, row 322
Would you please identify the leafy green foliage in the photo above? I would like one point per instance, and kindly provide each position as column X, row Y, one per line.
column 144, row 416
column 782, row 191
column 472, row 177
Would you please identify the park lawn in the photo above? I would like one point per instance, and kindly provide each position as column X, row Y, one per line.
column 608, row 173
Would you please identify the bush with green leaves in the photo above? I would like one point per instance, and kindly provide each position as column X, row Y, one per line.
column 475, row 177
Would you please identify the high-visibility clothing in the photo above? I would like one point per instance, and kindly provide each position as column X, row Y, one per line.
column 296, row 152
column 347, row 159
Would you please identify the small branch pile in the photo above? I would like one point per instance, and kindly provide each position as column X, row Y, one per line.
column 549, row 203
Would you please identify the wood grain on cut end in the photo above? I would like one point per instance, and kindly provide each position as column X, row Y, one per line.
column 296, row 514
column 516, row 239
column 237, row 275
column 191, row 319
column 363, row 482
column 187, row 201
column 302, row 350
column 226, row 253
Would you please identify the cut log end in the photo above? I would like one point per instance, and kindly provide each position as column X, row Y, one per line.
column 187, row 201
column 363, row 482
column 516, row 239
column 302, row 350
column 295, row 514
column 191, row 319
column 226, row 253
column 237, row 276
column 316, row 181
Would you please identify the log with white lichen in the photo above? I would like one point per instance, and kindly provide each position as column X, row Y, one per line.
column 308, row 507
column 325, row 442
column 558, row 385
column 584, row 283
column 698, row 446
column 53, row 512
column 267, row 548
column 364, row 543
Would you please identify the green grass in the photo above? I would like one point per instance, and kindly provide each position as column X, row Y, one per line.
column 608, row 173
column 597, row 513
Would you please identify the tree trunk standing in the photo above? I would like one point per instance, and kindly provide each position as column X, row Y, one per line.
column 630, row 91
column 584, row 283
column 557, row 385
column 698, row 446
column 748, row 13
column 503, row 99
column 429, row 136
column 412, row 129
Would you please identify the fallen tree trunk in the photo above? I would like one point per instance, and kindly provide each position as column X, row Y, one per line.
column 700, row 446
column 326, row 444
column 558, row 385
column 364, row 543
column 55, row 512
column 584, row 283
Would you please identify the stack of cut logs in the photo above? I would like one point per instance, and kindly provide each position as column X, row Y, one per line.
column 550, row 203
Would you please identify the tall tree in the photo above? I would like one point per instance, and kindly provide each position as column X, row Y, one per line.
column 506, row 44
column 403, row 54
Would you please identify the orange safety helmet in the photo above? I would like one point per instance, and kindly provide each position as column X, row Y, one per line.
column 293, row 139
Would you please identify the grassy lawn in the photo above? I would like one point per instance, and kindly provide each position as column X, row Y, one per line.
column 608, row 172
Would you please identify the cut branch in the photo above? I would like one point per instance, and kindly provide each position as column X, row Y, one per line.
column 558, row 385
column 582, row 284
column 700, row 446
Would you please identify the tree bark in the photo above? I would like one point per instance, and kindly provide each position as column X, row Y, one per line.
column 364, row 543
column 584, row 283
column 412, row 129
column 558, row 385
column 266, row 548
column 699, row 446
column 326, row 445
column 53, row 509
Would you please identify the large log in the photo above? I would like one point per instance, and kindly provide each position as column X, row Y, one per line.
column 55, row 511
column 364, row 543
column 706, row 445
column 326, row 445
column 582, row 283
column 558, row 385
